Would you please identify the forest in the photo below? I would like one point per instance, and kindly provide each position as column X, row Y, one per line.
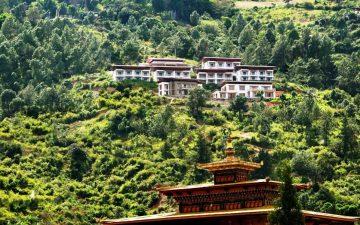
column 76, row 146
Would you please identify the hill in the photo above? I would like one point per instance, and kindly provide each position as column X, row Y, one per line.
column 76, row 146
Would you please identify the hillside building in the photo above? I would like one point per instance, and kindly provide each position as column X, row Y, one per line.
column 249, row 81
column 215, row 70
column 176, row 87
column 153, row 69
column 232, row 199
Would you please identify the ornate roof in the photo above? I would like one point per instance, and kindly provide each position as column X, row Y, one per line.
column 230, row 162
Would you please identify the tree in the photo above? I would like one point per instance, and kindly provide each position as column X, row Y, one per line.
column 194, row 18
column 6, row 97
column 287, row 208
column 79, row 163
column 326, row 125
column 238, row 106
column 196, row 101
column 237, row 25
column 280, row 54
column 246, row 36
column 304, row 164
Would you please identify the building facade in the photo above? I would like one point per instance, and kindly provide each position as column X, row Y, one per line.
column 176, row 87
column 249, row 81
column 215, row 70
column 233, row 78
column 153, row 69
column 232, row 199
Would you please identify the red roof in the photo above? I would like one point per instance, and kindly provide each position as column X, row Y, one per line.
column 251, row 67
column 221, row 59
column 218, row 214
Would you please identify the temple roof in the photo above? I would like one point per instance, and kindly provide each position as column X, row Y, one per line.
column 230, row 162
column 239, row 212
column 228, row 185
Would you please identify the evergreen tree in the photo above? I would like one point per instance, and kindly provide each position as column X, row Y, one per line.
column 246, row 36
column 196, row 101
column 237, row 25
column 280, row 54
column 287, row 208
column 238, row 106
column 194, row 18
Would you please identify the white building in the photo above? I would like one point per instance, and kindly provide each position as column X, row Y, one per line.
column 215, row 70
column 249, row 81
column 231, row 89
column 175, row 87
column 153, row 69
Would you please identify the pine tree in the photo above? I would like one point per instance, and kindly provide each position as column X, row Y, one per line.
column 287, row 208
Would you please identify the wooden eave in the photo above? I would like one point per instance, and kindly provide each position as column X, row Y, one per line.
column 228, row 186
column 227, row 164
column 239, row 212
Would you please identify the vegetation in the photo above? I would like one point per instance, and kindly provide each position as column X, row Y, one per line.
column 287, row 208
column 76, row 146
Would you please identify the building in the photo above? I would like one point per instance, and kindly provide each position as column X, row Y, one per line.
column 153, row 69
column 176, row 87
column 232, row 199
column 230, row 89
column 249, row 81
column 215, row 70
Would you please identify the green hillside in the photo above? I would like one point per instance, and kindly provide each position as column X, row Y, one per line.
column 76, row 147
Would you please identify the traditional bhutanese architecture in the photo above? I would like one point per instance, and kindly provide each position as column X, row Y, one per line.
column 176, row 87
column 153, row 69
column 232, row 199
column 249, row 81
column 215, row 70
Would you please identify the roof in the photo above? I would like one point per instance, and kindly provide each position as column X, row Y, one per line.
column 170, row 79
column 134, row 67
column 227, row 59
column 215, row 70
column 230, row 163
column 227, row 185
column 172, row 67
column 246, row 82
column 237, row 67
column 150, row 60
column 239, row 212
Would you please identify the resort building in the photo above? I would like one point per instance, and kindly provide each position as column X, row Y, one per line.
column 231, row 89
column 249, row 81
column 215, row 70
column 175, row 75
column 153, row 69
column 176, row 87
column 231, row 199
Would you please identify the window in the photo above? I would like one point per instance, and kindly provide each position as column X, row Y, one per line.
column 128, row 72
column 244, row 73
column 261, row 73
column 212, row 64
column 178, row 74
column 145, row 73
column 269, row 73
column 244, row 78
column 168, row 73
column 220, row 75
column 220, row 64
column 160, row 74
column 252, row 72
column 186, row 74
column 120, row 72
column 241, row 87
column 231, row 87
column 211, row 75
column 229, row 65
column 253, row 78
column 137, row 72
